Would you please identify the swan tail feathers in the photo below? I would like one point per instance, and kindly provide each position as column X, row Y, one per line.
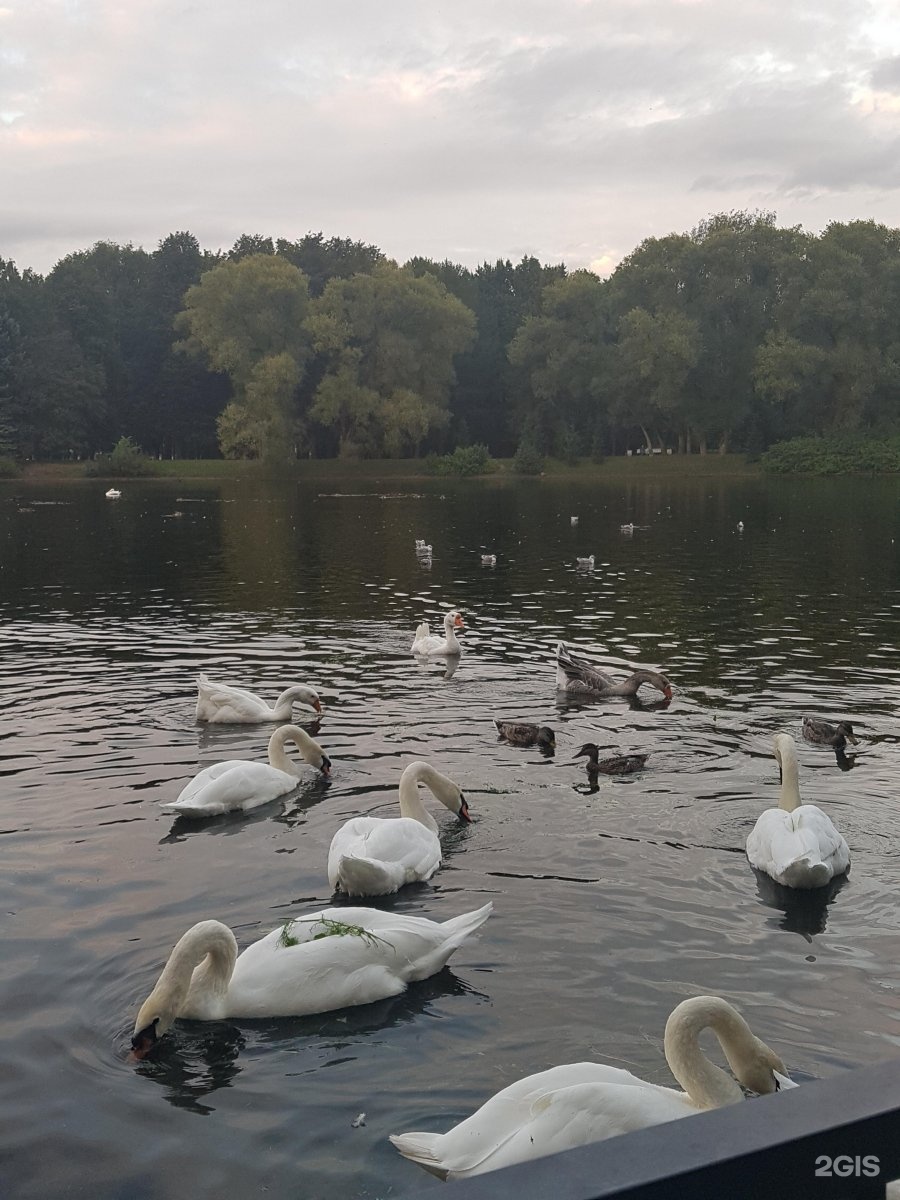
column 366, row 877
column 421, row 1148
column 461, row 927
column 804, row 872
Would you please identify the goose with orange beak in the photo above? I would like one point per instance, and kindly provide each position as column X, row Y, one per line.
column 431, row 645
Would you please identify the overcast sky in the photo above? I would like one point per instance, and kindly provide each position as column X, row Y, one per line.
column 468, row 130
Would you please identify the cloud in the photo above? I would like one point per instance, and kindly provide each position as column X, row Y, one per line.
column 490, row 129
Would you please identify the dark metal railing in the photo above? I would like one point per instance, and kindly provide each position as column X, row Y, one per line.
column 833, row 1138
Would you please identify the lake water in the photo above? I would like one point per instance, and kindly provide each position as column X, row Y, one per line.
column 610, row 906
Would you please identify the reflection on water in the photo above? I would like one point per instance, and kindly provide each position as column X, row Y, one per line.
column 613, row 899
column 803, row 912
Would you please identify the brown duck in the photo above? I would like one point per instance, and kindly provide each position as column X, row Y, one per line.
column 523, row 733
column 621, row 764
column 822, row 733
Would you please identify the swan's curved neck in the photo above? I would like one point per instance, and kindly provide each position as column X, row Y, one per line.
column 789, row 797
column 278, row 756
column 439, row 785
column 449, row 630
column 198, row 971
column 706, row 1085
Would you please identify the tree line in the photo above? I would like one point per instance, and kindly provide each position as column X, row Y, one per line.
column 735, row 335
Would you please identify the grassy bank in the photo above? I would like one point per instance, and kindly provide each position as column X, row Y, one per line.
column 621, row 467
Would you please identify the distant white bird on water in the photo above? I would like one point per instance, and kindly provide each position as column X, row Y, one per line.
column 586, row 562
column 740, row 526
column 113, row 494
column 489, row 560
column 573, row 520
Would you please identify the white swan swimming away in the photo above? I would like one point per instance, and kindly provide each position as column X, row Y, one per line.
column 422, row 549
column 586, row 562
column 740, row 526
column 585, row 1102
column 316, row 962
column 573, row 520
column 240, row 784
column 629, row 527
column 795, row 843
column 219, row 703
column 374, row 856
column 113, row 494
column 489, row 560
column 427, row 643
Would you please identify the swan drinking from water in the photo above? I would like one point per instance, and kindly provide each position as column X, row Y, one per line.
column 586, row 1102
column 219, row 703
column 317, row 962
column 241, row 785
column 374, row 856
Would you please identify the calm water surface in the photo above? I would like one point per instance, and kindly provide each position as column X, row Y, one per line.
column 610, row 907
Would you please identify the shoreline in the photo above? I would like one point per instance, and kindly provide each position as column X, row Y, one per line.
column 620, row 467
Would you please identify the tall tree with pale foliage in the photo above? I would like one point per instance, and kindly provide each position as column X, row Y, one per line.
column 247, row 319
column 388, row 339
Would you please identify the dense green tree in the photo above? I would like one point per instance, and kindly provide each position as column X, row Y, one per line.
column 322, row 259
column 389, row 340
column 655, row 357
column 566, row 353
column 247, row 319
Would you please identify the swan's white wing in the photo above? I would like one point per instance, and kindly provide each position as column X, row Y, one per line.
column 319, row 974
column 798, row 849
column 555, row 1110
column 231, row 785
column 410, row 849
column 220, row 702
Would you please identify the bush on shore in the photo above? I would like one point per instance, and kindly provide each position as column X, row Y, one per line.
column 125, row 462
column 837, row 455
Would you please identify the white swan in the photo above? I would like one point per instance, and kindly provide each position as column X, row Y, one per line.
column 586, row 1102
column 317, row 962
column 426, row 642
column 219, row 703
column 586, row 562
column 113, row 494
column 796, row 843
column 489, row 560
column 374, row 856
column 239, row 784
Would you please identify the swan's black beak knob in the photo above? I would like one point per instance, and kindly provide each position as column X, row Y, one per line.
column 144, row 1040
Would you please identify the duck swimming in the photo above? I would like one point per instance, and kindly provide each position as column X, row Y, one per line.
column 523, row 733
column 822, row 733
column 575, row 675
column 621, row 764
